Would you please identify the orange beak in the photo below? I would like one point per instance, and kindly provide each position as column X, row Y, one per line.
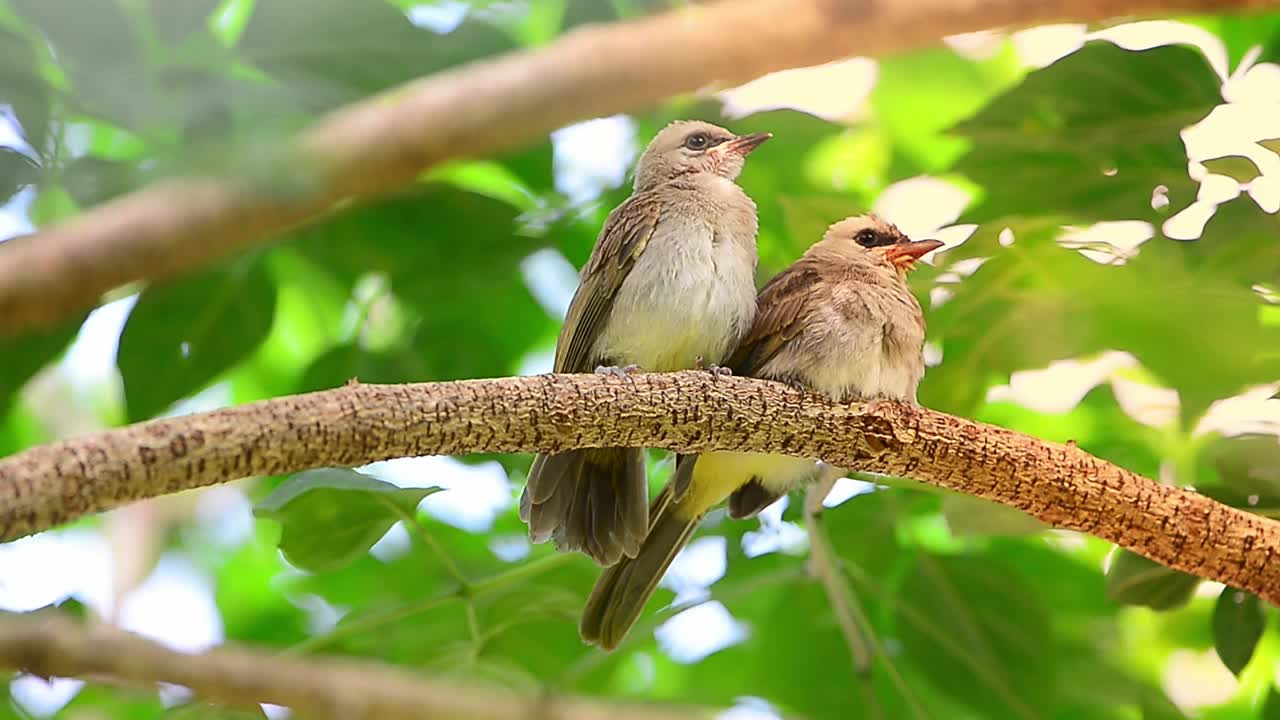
column 744, row 144
column 905, row 254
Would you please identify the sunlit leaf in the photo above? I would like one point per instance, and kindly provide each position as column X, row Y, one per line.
column 1135, row 580
column 182, row 333
column 331, row 516
column 919, row 95
column 1238, row 623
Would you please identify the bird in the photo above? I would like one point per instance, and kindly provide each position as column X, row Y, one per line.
column 840, row 321
column 670, row 285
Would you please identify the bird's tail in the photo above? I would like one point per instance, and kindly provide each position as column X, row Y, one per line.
column 623, row 589
column 594, row 501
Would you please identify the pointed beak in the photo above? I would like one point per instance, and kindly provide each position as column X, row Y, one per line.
column 904, row 255
column 744, row 144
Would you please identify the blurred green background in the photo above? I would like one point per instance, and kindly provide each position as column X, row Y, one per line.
column 1111, row 278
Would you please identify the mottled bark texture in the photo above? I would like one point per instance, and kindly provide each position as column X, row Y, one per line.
column 383, row 143
column 316, row 689
column 687, row 412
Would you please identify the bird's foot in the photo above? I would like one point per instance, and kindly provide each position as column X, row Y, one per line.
column 716, row 371
column 617, row 371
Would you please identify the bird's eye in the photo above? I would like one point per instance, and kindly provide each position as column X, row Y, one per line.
column 697, row 141
column 867, row 238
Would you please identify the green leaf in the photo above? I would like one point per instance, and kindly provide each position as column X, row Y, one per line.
column 977, row 634
column 183, row 333
column 92, row 180
column 1042, row 147
column 968, row 516
column 1135, row 580
column 1239, row 33
column 101, row 53
column 1238, row 623
column 1249, row 464
column 863, row 530
column 16, row 172
column 25, row 354
column 292, row 41
column 1271, row 706
column 23, row 88
column 471, row 314
column 176, row 20
column 332, row 516
column 1036, row 301
column 1155, row 706
column 1237, row 167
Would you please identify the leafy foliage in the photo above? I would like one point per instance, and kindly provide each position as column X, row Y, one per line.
column 972, row 610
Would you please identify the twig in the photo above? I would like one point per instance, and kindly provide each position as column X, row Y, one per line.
column 50, row 645
column 825, row 566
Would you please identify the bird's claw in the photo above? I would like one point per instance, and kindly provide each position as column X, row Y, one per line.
column 716, row 371
column 617, row 371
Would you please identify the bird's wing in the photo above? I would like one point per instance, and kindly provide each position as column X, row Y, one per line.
column 783, row 307
column 624, row 237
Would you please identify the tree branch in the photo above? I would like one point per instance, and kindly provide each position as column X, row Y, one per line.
column 377, row 145
column 686, row 412
column 50, row 645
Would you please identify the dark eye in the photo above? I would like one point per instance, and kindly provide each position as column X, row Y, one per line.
column 697, row 141
column 867, row 238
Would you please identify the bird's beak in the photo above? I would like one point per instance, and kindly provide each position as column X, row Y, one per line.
column 744, row 144
column 905, row 254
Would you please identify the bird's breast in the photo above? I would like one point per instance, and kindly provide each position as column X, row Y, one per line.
column 691, row 293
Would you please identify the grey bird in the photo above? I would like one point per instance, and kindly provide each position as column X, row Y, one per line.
column 840, row 321
column 669, row 286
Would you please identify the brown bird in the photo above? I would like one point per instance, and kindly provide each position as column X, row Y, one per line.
column 669, row 286
column 841, row 321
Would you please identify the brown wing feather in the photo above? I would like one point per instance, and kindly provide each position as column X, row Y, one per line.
column 783, row 306
column 624, row 237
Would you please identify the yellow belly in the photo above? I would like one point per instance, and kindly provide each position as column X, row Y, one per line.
column 717, row 475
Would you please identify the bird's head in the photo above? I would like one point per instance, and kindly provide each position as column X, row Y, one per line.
column 686, row 147
column 870, row 238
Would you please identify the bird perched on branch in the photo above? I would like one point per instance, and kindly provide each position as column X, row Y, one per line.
column 841, row 321
column 669, row 286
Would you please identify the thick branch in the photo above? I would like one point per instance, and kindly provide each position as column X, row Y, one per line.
column 687, row 412
column 380, row 144
column 318, row 689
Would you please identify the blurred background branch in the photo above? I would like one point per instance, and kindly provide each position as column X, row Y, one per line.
column 383, row 143
column 51, row 645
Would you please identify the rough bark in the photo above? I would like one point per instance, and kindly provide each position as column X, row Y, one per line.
column 383, row 143
column 315, row 689
column 685, row 412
